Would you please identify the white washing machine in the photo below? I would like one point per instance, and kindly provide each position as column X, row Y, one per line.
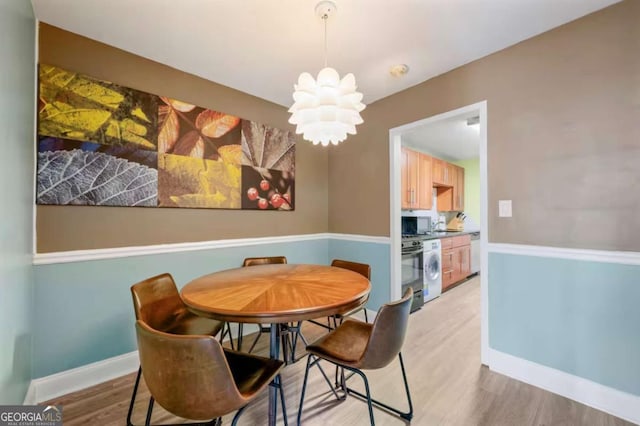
column 432, row 269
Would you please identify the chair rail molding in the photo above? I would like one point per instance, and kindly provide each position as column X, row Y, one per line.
column 589, row 255
column 119, row 252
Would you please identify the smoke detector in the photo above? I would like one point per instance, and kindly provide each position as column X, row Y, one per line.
column 399, row 70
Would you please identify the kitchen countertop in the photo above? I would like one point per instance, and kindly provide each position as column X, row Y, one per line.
column 443, row 234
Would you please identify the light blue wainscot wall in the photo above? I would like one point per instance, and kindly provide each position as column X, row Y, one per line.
column 84, row 310
column 577, row 316
column 374, row 253
column 17, row 104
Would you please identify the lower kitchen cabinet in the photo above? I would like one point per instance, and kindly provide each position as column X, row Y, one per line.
column 456, row 260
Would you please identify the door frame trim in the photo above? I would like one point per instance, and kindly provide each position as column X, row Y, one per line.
column 395, row 211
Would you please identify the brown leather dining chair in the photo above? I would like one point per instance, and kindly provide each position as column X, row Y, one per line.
column 156, row 301
column 362, row 269
column 255, row 261
column 357, row 346
column 193, row 377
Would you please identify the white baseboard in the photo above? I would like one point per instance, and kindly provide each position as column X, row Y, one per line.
column 65, row 382
column 30, row 397
column 55, row 385
column 612, row 401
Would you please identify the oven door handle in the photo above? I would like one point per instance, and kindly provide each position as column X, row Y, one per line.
column 412, row 252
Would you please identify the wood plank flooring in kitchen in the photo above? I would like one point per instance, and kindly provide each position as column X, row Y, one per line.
column 448, row 384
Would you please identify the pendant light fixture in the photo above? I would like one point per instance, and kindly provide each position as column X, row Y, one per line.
column 328, row 108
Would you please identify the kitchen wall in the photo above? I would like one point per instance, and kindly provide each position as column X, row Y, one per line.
column 17, row 74
column 61, row 228
column 563, row 144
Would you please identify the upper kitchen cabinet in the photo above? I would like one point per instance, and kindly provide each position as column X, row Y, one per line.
column 443, row 173
column 416, row 180
column 409, row 179
column 458, row 189
column 425, row 183
column 448, row 179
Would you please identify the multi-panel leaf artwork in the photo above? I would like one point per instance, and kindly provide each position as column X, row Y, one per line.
column 104, row 144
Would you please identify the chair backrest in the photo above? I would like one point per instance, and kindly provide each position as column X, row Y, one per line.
column 187, row 375
column 361, row 268
column 388, row 333
column 253, row 261
column 156, row 301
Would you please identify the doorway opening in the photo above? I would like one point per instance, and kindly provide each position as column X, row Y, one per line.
column 409, row 135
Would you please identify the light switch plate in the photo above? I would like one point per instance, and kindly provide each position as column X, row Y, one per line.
column 504, row 208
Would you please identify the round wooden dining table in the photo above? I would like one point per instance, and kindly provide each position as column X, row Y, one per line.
column 276, row 294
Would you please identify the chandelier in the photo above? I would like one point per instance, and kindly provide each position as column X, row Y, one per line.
column 328, row 108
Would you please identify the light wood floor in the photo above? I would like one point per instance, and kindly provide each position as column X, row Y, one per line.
column 448, row 384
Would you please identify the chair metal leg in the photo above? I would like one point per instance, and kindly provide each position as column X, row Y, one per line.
column 226, row 330
column 409, row 414
column 260, row 332
column 255, row 341
column 149, row 412
column 133, row 397
column 284, row 406
column 285, row 343
column 304, row 388
column 405, row 415
column 316, row 361
column 328, row 327
column 239, row 340
column 298, row 335
column 214, row 422
column 278, row 385
column 368, row 396
column 236, row 417
column 342, row 382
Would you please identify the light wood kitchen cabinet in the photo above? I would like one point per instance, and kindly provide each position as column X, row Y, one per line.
column 416, row 180
column 445, row 198
column 456, row 260
column 421, row 173
column 425, row 183
column 458, row 189
column 409, row 178
column 448, row 179
column 443, row 173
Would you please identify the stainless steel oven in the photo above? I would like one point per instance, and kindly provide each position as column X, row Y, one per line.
column 413, row 270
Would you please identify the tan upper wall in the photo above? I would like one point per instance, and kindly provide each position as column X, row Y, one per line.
column 62, row 228
column 563, row 137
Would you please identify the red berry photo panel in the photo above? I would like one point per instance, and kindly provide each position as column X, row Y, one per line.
column 266, row 189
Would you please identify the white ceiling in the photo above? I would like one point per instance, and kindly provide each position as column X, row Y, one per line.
column 450, row 139
column 260, row 47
